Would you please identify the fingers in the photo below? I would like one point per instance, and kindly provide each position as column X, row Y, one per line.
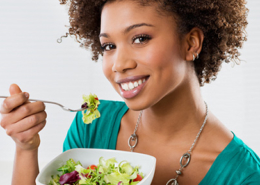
column 21, row 119
column 22, row 112
column 26, row 123
column 25, row 132
column 26, row 139
column 13, row 102
column 14, row 89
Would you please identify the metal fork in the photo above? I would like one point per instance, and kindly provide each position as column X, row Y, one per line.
column 63, row 107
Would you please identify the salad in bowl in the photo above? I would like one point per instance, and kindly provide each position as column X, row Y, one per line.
column 98, row 167
column 106, row 172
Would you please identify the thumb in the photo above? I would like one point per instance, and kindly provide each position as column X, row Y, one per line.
column 14, row 89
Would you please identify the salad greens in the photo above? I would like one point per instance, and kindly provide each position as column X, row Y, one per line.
column 105, row 173
column 91, row 102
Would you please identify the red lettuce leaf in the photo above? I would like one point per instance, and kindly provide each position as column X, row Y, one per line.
column 69, row 178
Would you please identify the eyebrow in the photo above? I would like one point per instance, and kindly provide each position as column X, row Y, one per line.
column 129, row 28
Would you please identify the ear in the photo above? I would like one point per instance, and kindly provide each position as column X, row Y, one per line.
column 193, row 43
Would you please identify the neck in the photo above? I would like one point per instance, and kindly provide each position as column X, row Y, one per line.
column 181, row 113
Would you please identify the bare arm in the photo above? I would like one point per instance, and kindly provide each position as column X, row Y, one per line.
column 22, row 121
column 26, row 167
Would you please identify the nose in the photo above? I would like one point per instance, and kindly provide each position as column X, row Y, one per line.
column 123, row 61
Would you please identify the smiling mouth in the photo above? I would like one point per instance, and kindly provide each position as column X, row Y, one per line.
column 128, row 86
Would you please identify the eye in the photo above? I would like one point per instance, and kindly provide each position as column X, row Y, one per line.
column 107, row 47
column 140, row 39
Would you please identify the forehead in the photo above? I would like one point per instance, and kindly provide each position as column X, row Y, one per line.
column 117, row 15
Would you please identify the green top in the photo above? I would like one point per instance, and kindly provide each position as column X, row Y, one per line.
column 236, row 164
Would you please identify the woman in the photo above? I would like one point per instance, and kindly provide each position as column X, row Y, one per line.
column 156, row 54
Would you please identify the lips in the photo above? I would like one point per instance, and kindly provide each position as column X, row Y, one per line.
column 132, row 86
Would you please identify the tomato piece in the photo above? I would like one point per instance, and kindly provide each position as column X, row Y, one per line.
column 138, row 178
column 96, row 98
column 87, row 175
column 92, row 167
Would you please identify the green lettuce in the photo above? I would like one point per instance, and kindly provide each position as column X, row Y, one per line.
column 54, row 180
column 92, row 112
column 69, row 166
column 107, row 172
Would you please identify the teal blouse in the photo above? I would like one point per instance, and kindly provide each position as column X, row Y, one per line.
column 237, row 164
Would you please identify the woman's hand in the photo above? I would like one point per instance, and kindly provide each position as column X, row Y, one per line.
column 21, row 119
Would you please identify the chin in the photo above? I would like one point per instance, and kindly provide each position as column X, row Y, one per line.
column 136, row 104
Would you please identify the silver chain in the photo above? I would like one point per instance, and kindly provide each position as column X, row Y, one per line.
column 201, row 128
column 134, row 137
column 138, row 121
column 186, row 155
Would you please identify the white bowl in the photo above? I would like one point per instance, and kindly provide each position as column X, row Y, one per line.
column 91, row 156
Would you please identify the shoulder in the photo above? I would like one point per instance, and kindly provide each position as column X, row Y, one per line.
column 242, row 149
column 109, row 112
column 249, row 160
column 243, row 162
column 236, row 164
column 102, row 132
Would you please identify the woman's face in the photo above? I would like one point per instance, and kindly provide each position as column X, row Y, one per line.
column 142, row 58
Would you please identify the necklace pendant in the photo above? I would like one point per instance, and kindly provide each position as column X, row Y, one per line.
column 185, row 160
column 172, row 182
column 133, row 138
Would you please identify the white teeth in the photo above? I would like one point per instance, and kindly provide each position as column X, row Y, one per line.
column 125, row 86
column 132, row 85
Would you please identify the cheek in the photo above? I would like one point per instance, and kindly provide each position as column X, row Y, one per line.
column 161, row 56
column 165, row 63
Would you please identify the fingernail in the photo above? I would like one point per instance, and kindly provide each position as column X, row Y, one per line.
column 26, row 95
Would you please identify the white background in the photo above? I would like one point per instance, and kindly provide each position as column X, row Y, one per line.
column 31, row 57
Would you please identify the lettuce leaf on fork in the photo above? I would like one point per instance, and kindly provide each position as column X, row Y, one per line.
column 90, row 102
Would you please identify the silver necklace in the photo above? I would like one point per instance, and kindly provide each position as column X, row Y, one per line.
column 185, row 158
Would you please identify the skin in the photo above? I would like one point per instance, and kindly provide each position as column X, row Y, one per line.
column 173, row 107
column 22, row 121
column 175, row 104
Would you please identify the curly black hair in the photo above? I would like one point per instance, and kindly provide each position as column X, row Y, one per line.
column 223, row 23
